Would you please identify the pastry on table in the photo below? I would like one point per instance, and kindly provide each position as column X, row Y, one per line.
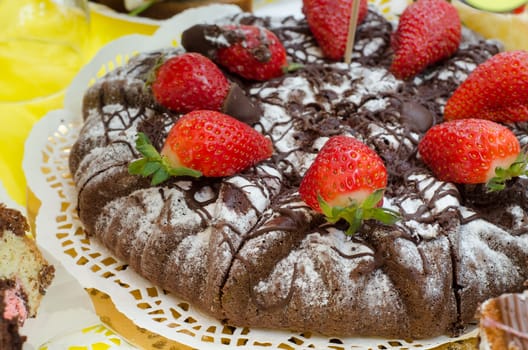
column 24, row 277
column 252, row 248
column 504, row 322
column 508, row 27
column 165, row 8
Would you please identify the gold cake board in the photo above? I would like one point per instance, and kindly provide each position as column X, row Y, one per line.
column 144, row 339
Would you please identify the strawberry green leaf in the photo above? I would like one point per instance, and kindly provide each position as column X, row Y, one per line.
column 161, row 175
column 154, row 164
column 144, row 147
column 137, row 166
column 328, row 210
column 374, row 198
column 151, row 74
column 357, row 220
column 502, row 175
column 384, row 215
column 356, row 213
column 151, row 167
column 182, row 171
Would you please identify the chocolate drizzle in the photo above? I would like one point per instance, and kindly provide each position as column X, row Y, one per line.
column 247, row 250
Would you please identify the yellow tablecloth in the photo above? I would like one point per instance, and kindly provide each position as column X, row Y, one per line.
column 18, row 119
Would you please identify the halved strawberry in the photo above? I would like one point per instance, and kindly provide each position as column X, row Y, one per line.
column 473, row 151
column 207, row 143
column 191, row 81
column 428, row 31
column 249, row 51
column 347, row 181
column 496, row 90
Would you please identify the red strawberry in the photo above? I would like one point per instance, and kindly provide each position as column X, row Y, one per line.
column 519, row 10
column 191, row 81
column 346, row 181
column 207, row 143
column 496, row 90
column 249, row 51
column 428, row 31
column 188, row 82
column 472, row 151
column 328, row 21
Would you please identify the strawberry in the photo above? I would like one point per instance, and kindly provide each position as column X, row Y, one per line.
column 202, row 142
column 191, row 81
column 328, row 21
column 519, row 10
column 473, row 151
column 428, row 31
column 496, row 90
column 347, row 181
column 252, row 52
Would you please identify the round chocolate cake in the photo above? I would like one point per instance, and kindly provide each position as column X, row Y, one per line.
column 247, row 250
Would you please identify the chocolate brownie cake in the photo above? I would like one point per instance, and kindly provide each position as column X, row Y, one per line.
column 24, row 277
column 247, row 250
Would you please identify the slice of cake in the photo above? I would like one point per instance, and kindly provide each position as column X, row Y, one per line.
column 504, row 322
column 24, row 277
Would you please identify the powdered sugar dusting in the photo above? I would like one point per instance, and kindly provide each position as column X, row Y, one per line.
column 279, row 282
column 476, row 241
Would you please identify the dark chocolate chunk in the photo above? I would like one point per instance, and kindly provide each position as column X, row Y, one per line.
column 416, row 116
column 238, row 105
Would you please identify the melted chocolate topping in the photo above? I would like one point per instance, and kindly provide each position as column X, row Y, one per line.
column 194, row 39
column 238, row 105
column 207, row 39
column 416, row 116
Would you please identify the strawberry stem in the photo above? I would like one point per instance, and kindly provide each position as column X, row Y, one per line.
column 356, row 213
column 517, row 168
column 151, row 74
column 154, row 164
column 142, row 8
column 292, row 67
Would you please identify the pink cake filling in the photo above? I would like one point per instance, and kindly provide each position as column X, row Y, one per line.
column 14, row 306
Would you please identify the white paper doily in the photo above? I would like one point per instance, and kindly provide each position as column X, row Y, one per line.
column 60, row 231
